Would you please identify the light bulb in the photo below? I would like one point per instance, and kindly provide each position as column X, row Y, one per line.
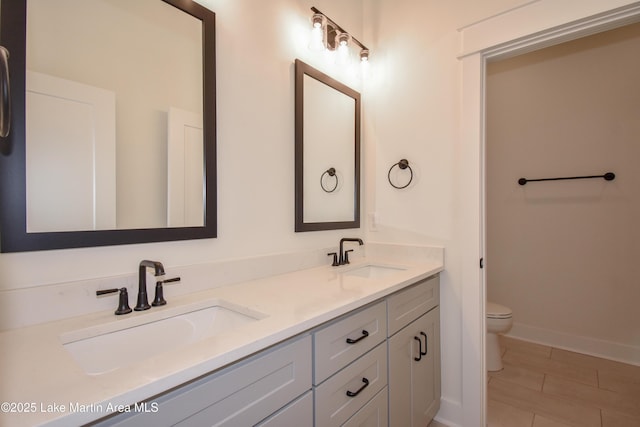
column 365, row 69
column 343, row 49
column 316, row 43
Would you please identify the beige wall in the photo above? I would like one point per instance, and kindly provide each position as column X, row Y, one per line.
column 563, row 255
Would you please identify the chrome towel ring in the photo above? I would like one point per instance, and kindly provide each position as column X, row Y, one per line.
column 402, row 164
column 329, row 172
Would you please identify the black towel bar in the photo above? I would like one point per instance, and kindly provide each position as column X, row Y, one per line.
column 609, row 176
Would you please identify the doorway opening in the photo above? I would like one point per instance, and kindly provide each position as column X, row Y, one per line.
column 480, row 45
column 562, row 251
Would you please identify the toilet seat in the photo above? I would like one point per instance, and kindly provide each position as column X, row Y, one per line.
column 497, row 311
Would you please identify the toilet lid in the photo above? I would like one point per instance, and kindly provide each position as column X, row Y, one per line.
column 497, row 311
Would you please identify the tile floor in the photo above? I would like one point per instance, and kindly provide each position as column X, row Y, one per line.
column 542, row 386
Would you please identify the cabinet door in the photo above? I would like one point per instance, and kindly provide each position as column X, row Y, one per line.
column 414, row 372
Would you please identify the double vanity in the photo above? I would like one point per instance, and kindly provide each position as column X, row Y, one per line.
column 321, row 346
column 278, row 340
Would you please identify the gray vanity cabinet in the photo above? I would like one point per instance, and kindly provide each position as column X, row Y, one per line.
column 244, row 394
column 414, row 355
column 376, row 366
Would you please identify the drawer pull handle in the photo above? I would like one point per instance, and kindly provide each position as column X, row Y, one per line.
column 5, row 95
column 426, row 348
column 364, row 335
column 426, row 344
column 420, row 354
column 355, row 393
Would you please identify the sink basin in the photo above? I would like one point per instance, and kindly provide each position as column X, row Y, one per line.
column 373, row 271
column 102, row 349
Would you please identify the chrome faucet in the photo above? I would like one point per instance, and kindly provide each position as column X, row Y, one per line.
column 143, row 301
column 344, row 256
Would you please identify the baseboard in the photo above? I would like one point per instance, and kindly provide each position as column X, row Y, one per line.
column 450, row 413
column 580, row 344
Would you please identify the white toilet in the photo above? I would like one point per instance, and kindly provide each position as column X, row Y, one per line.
column 499, row 321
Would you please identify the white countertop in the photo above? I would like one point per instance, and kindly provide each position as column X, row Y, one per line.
column 39, row 376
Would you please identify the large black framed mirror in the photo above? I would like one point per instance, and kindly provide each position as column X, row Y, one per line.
column 327, row 152
column 133, row 88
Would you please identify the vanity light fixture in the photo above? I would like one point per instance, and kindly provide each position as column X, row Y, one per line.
column 326, row 35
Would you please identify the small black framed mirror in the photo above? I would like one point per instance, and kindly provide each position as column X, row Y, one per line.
column 327, row 138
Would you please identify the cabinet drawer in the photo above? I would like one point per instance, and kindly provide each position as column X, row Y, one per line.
column 240, row 395
column 406, row 306
column 342, row 342
column 296, row 414
column 364, row 378
column 374, row 414
column 248, row 394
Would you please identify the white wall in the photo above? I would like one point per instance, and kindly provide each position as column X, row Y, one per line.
column 561, row 254
column 257, row 42
column 430, row 111
column 414, row 101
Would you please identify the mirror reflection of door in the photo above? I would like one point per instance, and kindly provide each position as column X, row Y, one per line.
column 71, row 181
column 148, row 55
column 185, row 174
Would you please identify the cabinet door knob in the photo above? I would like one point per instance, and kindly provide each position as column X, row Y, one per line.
column 360, row 338
column 426, row 344
column 357, row 392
